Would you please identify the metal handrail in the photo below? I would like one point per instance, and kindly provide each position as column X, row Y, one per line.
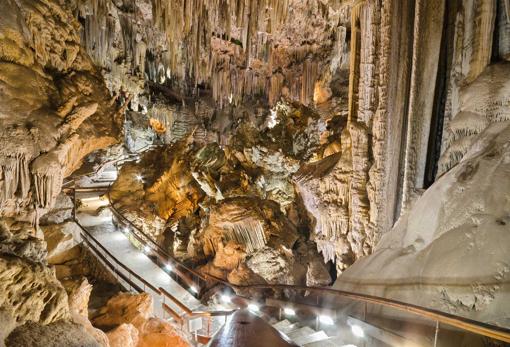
column 470, row 325
column 88, row 236
column 180, row 318
column 154, row 244
column 463, row 323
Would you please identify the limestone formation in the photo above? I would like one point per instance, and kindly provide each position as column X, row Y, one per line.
column 57, row 334
column 459, row 226
column 258, row 142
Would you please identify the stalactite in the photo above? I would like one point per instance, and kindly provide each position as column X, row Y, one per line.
column 14, row 173
column 250, row 234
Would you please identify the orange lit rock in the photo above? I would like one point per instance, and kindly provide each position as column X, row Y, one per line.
column 156, row 332
column 125, row 308
column 125, row 335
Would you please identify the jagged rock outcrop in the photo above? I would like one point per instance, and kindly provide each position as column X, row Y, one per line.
column 127, row 308
column 130, row 317
column 57, row 334
column 78, row 292
column 51, row 123
column 30, row 291
column 125, row 335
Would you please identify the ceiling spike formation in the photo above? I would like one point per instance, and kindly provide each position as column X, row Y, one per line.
column 200, row 32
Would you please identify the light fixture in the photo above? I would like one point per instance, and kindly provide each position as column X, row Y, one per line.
column 357, row 331
column 139, row 178
column 146, row 249
column 168, row 267
column 253, row 307
column 226, row 298
column 326, row 320
column 289, row 312
column 193, row 289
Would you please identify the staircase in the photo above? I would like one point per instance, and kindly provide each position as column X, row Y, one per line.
column 306, row 336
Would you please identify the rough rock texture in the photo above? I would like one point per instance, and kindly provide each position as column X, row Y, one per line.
column 62, row 211
column 125, row 335
column 56, row 334
column 125, row 308
column 78, row 292
column 449, row 251
column 156, row 332
column 61, row 244
column 479, row 104
column 130, row 317
column 55, row 109
column 30, row 291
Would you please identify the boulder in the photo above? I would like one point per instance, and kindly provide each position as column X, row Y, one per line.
column 62, row 211
column 31, row 291
column 125, row 308
column 61, row 242
column 56, row 334
column 156, row 332
column 125, row 335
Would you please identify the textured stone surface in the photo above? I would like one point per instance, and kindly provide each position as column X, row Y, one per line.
column 60, row 240
column 457, row 232
column 62, row 211
column 125, row 335
column 57, row 334
column 30, row 291
column 156, row 332
column 134, row 309
column 51, row 123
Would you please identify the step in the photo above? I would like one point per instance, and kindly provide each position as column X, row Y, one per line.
column 281, row 324
column 301, row 332
column 329, row 342
column 315, row 337
column 290, row 328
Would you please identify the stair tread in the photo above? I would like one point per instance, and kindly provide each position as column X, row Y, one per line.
column 315, row 337
column 281, row 324
column 304, row 331
column 289, row 328
column 329, row 342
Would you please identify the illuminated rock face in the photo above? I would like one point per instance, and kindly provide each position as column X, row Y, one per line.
column 54, row 109
column 295, row 136
column 130, row 314
column 456, row 232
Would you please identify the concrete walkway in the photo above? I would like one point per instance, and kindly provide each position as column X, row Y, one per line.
column 102, row 228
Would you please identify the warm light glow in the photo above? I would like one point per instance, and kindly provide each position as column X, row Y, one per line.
column 226, row 298
column 326, row 320
column 357, row 331
column 253, row 307
column 289, row 312
column 139, row 178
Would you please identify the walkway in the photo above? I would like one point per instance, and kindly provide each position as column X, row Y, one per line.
column 102, row 228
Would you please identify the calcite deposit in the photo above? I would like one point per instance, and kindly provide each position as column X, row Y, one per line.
column 258, row 142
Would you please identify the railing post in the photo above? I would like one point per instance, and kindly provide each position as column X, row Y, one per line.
column 436, row 333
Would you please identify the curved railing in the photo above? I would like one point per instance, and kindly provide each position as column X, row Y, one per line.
column 203, row 281
column 128, row 278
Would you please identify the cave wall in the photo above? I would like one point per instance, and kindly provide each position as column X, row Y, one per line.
column 443, row 250
column 55, row 108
